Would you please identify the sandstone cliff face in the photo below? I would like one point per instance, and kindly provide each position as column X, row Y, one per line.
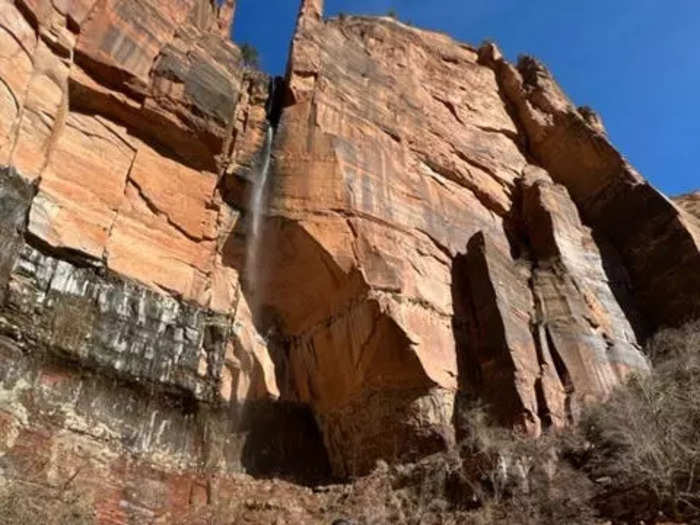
column 139, row 99
column 440, row 225
column 690, row 203
column 127, row 349
column 445, row 248
column 119, row 118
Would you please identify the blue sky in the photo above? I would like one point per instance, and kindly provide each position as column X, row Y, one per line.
column 637, row 62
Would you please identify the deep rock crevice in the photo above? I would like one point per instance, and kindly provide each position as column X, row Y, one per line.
column 607, row 190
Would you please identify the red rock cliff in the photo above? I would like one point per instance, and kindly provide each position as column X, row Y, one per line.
column 128, row 356
column 440, row 225
column 446, row 222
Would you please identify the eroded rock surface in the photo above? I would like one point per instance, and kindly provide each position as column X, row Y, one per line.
column 396, row 147
column 129, row 357
column 661, row 252
column 439, row 225
column 393, row 149
column 147, row 104
column 690, row 203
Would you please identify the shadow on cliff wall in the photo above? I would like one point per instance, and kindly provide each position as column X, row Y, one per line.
column 463, row 326
column 15, row 198
column 267, row 439
column 621, row 286
column 283, row 441
column 486, row 367
column 283, row 437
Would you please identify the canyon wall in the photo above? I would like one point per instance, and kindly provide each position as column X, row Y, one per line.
column 129, row 362
column 440, row 226
column 444, row 222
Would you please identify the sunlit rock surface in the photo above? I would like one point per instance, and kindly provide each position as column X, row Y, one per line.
column 440, row 225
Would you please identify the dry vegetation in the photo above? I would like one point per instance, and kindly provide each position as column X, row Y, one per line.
column 34, row 504
column 634, row 459
column 645, row 442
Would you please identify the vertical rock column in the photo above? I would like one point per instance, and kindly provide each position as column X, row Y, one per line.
column 548, row 333
column 225, row 16
column 363, row 298
column 657, row 242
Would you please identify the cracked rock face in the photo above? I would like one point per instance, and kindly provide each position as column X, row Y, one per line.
column 444, row 222
column 129, row 360
column 440, row 225
column 393, row 150
column 147, row 104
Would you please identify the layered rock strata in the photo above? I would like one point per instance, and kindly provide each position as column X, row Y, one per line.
column 440, row 225
column 129, row 361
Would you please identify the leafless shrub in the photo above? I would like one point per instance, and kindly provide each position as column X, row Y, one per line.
column 530, row 68
column 645, row 442
column 523, row 480
column 680, row 343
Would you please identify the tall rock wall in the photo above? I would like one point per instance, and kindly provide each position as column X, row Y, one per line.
column 129, row 362
column 660, row 253
column 444, row 224
column 439, row 225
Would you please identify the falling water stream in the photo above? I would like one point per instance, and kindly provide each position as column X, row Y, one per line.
column 257, row 210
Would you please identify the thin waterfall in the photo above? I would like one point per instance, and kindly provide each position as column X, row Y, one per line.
column 257, row 210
